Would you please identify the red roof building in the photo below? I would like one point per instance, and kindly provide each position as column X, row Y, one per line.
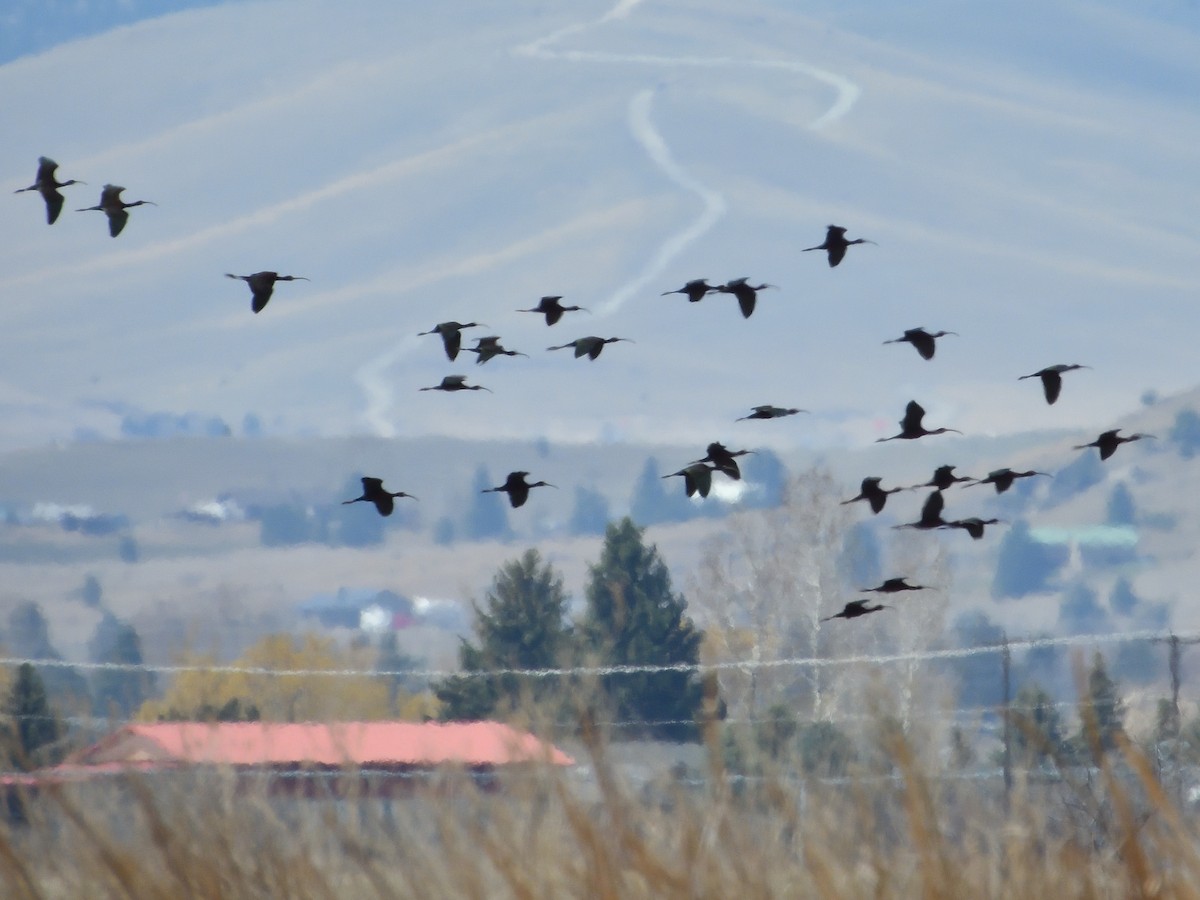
column 375, row 749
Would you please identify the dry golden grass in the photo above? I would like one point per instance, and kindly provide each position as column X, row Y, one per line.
column 553, row 834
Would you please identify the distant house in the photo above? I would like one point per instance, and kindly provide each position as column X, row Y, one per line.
column 308, row 757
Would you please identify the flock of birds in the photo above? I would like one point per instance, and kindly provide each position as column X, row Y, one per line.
column 697, row 475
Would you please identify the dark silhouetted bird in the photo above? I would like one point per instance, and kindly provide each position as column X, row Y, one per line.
column 931, row 513
column 943, row 477
column 553, row 310
column 517, row 488
column 47, row 184
column 856, row 608
column 770, row 412
column 451, row 335
column 724, row 460
column 746, row 293
column 972, row 526
column 893, row 586
column 911, row 427
column 589, row 346
column 697, row 478
column 1052, row 379
column 922, row 340
column 374, row 492
column 115, row 208
column 456, row 383
column 695, row 289
column 835, row 244
column 262, row 284
column 1003, row 478
column 488, row 347
column 1108, row 442
column 873, row 494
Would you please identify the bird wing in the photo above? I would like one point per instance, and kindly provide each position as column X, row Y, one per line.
column 746, row 299
column 913, row 414
column 1051, row 385
column 385, row 504
column 116, row 221
column 54, row 205
column 837, row 252
column 924, row 343
column 260, row 294
column 372, row 485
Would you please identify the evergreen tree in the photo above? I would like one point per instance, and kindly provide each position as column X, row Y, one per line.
column 1121, row 508
column 522, row 627
column 29, row 636
column 91, row 593
column 1038, row 731
column 590, row 514
column 633, row 618
column 1123, row 601
column 487, row 518
column 1081, row 613
column 1103, row 705
column 118, row 692
column 34, row 724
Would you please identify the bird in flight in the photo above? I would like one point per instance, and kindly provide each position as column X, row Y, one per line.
column 723, row 459
column 1003, row 478
column 911, row 427
column 115, row 208
column 451, row 335
column 589, row 346
column 374, row 492
column 453, row 383
column 856, row 608
column 694, row 290
column 1108, row 442
column 894, row 586
column 943, row 477
column 517, row 488
column 552, row 309
column 770, row 412
column 922, row 340
column 873, row 494
column 746, row 293
column 1052, row 378
column 931, row 514
column 697, row 478
column 262, row 285
column 835, row 244
column 972, row 526
column 47, row 184
column 489, row 347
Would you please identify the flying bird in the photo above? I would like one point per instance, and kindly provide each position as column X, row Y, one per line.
column 488, row 347
column 943, row 477
column 589, row 346
column 1052, row 378
column 835, row 244
column 723, row 459
column 972, row 526
column 453, row 383
column 911, row 427
column 262, row 284
column 451, row 335
column 374, row 492
column 873, row 494
column 47, row 184
column 517, row 488
column 1003, row 478
column 922, row 340
column 695, row 289
column 746, row 293
column 894, row 586
column 770, row 412
column 697, row 478
column 553, row 310
column 931, row 513
column 1108, row 442
column 856, row 608
column 115, row 208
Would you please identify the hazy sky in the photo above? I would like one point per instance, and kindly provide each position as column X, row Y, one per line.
column 1028, row 173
